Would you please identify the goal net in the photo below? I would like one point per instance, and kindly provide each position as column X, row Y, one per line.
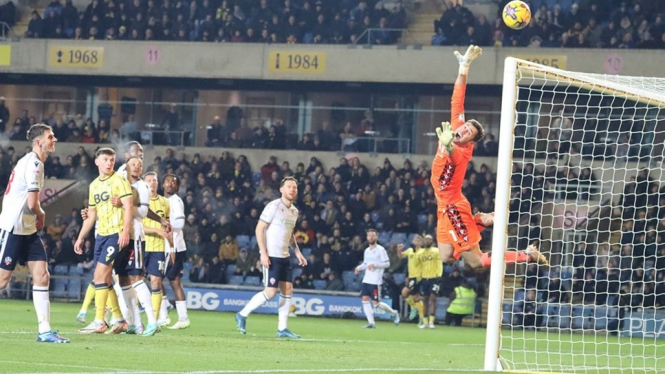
column 583, row 161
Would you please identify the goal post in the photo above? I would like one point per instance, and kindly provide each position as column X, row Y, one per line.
column 569, row 145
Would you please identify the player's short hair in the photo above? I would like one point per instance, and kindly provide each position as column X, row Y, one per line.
column 133, row 157
column 150, row 173
column 129, row 145
column 286, row 179
column 479, row 128
column 177, row 180
column 37, row 130
column 105, row 152
column 371, row 230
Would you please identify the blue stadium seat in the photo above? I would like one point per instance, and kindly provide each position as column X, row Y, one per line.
column 348, row 277
column 187, row 266
column 375, row 217
column 252, row 242
column 74, row 288
column 507, row 318
column 519, row 295
column 422, row 219
column 75, row 270
column 399, row 278
column 230, row 269
column 59, row 288
column 243, row 241
column 60, row 270
column 353, row 287
column 384, row 237
column 297, row 272
column 252, row 281
column 409, row 239
column 319, row 284
column 398, row 238
column 236, row 280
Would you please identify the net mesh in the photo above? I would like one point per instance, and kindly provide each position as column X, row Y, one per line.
column 587, row 161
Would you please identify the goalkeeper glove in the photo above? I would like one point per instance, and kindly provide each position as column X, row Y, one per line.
column 445, row 134
column 472, row 53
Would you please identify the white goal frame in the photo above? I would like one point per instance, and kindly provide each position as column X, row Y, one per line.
column 610, row 85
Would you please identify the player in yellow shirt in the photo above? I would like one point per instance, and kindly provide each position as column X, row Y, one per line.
column 156, row 240
column 114, row 229
column 411, row 289
column 431, row 269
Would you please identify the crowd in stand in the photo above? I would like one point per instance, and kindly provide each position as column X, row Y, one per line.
column 236, row 21
column 560, row 23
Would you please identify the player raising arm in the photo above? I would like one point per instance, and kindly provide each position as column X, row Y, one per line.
column 274, row 234
column 375, row 261
column 22, row 216
column 458, row 232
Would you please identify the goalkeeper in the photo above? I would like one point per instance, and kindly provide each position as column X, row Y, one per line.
column 458, row 231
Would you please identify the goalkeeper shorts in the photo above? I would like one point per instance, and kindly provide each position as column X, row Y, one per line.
column 456, row 226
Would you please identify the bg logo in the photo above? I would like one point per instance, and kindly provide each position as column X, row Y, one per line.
column 104, row 196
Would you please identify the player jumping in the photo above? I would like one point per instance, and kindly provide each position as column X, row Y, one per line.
column 274, row 233
column 22, row 216
column 458, row 231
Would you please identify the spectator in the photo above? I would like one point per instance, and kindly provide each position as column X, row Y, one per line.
column 56, row 229
column 244, row 263
column 216, row 271
column 334, row 283
column 228, row 250
column 199, row 272
column 4, row 114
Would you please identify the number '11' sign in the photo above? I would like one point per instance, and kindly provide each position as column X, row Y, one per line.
column 297, row 62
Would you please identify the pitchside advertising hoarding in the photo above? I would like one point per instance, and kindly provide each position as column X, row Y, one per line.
column 231, row 300
column 648, row 323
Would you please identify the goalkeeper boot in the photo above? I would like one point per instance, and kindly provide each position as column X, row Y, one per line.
column 413, row 314
column 536, row 256
column 81, row 317
column 241, row 322
column 51, row 337
column 286, row 333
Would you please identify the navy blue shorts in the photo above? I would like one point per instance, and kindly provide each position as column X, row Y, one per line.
column 154, row 263
column 280, row 270
column 19, row 249
column 413, row 285
column 131, row 262
column 429, row 286
column 110, row 252
column 175, row 270
column 371, row 290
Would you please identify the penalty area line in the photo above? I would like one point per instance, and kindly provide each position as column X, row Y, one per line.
column 276, row 371
column 68, row 366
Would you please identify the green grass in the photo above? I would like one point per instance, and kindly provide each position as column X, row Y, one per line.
column 213, row 345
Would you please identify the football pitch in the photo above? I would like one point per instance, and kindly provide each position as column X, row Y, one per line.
column 213, row 345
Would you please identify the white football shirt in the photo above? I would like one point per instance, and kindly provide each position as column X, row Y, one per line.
column 281, row 221
column 27, row 176
column 379, row 258
column 177, row 212
column 122, row 170
column 144, row 204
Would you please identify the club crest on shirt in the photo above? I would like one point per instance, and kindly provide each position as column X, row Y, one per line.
column 8, row 260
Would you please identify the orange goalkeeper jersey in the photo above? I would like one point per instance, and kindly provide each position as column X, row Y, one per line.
column 448, row 171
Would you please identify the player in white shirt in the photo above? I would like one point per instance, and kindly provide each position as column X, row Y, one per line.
column 374, row 262
column 274, row 234
column 176, row 256
column 22, row 216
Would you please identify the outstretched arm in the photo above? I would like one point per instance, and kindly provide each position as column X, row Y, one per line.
column 459, row 91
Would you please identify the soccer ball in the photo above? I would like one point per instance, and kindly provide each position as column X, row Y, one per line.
column 516, row 15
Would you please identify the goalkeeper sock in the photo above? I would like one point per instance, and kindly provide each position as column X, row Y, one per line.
column 410, row 301
column 419, row 306
column 89, row 295
column 369, row 312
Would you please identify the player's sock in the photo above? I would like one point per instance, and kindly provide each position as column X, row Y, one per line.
column 256, row 301
column 431, row 319
column 283, row 311
column 419, row 306
column 101, row 295
column 486, row 259
column 114, row 304
column 42, row 307
column 411, row 302
column 156, row 297
column 369, row 311
column 181, row 308
column 89, row 295
column 122, row 302
column 143, row 296
column 386, row 308
column 130, row 300
column 164, row 308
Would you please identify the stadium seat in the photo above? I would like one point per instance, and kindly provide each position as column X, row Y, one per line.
column 75, row 270
column 59, row 288
column 384, row 237
column 236, row 280
column 256, row 178
column 409, row 239
column 297, row 272
column 243, row 241
column 507, row 314
column 399, row 278
column 348, row 275
column 252, row 242
column 353, row 287
column 230, row 269
column 398, row 238
column 187, row 266
column 252, row 281
column 319, row 284
column 60, row 270
column 375, row 217
column 74, row 289
column 422, row 219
